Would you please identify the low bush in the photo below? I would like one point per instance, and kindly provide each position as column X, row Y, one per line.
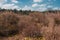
column 57, row 21
column 8, row 24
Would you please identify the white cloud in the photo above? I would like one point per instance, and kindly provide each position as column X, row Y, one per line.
column 51, row 0
column 43, row 5
column 10, row 6
column 49, row 6
column 42, row 9
column 26, row 8
column 5, row 0
column 39, row 5
column 14, row 1
column 37, row 0
column 7, row 6
column 2, row 1
column 34, row 5
column 55, row 8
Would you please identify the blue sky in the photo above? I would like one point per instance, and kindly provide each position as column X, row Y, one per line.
column 36, row 5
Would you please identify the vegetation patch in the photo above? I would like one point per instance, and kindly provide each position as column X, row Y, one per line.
column 8, row 25
column 40, row 38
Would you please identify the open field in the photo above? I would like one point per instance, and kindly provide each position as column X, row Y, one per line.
column 29, row 25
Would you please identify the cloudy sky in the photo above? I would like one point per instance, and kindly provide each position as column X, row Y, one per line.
column 36, row 5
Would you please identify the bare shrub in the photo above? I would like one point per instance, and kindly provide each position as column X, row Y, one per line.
column 57, row 22
column 8, row 24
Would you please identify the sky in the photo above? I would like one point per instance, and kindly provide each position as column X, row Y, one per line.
column 34, row 5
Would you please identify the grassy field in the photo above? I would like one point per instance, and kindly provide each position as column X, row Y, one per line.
column 30, row 25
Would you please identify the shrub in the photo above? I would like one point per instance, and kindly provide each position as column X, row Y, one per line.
column 57, row 21
column 8, row 24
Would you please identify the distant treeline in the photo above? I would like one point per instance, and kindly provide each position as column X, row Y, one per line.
column 28, row 11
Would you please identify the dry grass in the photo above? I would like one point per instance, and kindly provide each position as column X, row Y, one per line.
column 35, row 26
